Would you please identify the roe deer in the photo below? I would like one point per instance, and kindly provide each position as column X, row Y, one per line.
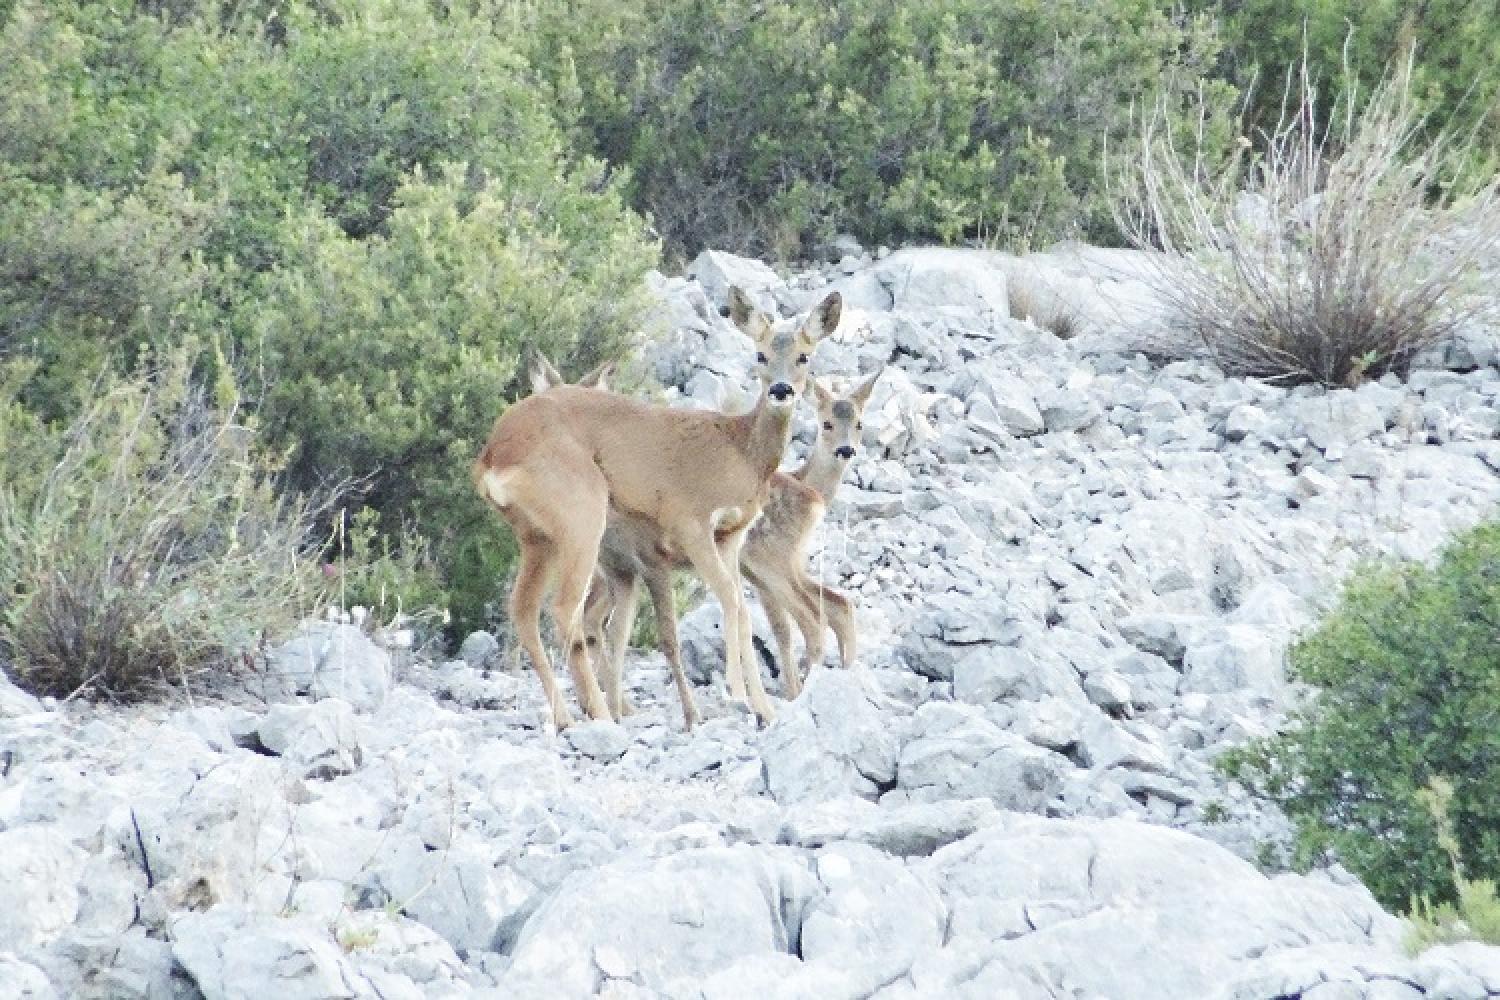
column 773, row 559
column 556, row 462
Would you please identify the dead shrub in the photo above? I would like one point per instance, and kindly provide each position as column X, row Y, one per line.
column 154, row 553
column 1330, row 251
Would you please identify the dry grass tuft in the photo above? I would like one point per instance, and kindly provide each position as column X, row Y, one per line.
column 155, row 553
column 1337, row 252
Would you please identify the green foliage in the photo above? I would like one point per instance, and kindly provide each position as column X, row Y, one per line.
column 767, row 127
column 1476, row 914
column 1406, row 679
column 369, row 207
column 154, row 553
column 1456, row 42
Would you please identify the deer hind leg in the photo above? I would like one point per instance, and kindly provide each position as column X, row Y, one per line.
column 841, row 617
column 626, row 593
column 659, row 585
column 578, row 554
column 538, row 559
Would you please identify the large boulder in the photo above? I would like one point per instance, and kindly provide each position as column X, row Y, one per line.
column 839, row 737
column 956, row 753
column 1122, row 909
column 661, row 924
column 946, row 280
column 234, row 954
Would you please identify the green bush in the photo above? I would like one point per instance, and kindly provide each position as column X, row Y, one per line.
column 1356, row 43
column 1405, row 678
column 1475, row 914
column 389, row 358
column 369, row 207
column 154, row 554
column 767, row 127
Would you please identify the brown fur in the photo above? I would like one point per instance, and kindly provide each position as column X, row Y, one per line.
column 774, row 560
column 558, row 461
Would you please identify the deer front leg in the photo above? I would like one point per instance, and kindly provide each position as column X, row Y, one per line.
column 729, row 551
column 708, row 562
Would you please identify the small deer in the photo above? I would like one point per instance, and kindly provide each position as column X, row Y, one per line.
column 557, row 462
column 773, row 559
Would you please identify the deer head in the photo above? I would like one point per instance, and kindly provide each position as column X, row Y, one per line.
column 783, row 353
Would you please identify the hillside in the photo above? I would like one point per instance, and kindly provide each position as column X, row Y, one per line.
column 1076, row 569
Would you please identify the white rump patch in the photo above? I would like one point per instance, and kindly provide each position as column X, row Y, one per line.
column 497, row 486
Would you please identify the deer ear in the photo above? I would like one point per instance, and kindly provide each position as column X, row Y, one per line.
column 743, row 313
column 861, row 395
column 599, row 377
column 543, row 375
column 825, row 318
column 821, row 393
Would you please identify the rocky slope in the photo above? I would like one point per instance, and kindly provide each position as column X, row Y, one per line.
column 1077, row 572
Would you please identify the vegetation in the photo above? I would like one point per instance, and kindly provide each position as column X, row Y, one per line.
column 766, row 128
column 1334, row 250
column 1406, row 693
column 1475, row 915
column 154, row 550
column 370, row 209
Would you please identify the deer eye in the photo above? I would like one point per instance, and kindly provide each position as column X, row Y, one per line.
column 859, row 427
column 802, row 359
column 760, row 358
column 828, row 425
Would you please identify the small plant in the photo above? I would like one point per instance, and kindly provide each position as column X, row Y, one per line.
column 352, row 939
column 1214, row 813
column 154, row 554
column 1333, row 250
column 1475, row 916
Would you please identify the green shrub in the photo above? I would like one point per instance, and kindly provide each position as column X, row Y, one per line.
column 154, row 554
column 1355, row 43
column 767, row 127
column 1405, row 678
column 389, row 358
column 369, row 206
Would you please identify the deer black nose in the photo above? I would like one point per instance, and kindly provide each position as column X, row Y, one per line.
column 845, row 451
column 781, row 391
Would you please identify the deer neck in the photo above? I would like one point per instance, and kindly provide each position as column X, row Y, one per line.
column 823, row 471
column 767, row 429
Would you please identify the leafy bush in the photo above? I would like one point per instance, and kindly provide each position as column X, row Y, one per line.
column 764, row 128
column 390, row 357
column 1354, row 43
column 1405, row 678
column 154, row 553
column 1337, row 252
column 370, row 207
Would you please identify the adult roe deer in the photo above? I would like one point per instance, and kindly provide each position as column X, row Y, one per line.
column 556, row 462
